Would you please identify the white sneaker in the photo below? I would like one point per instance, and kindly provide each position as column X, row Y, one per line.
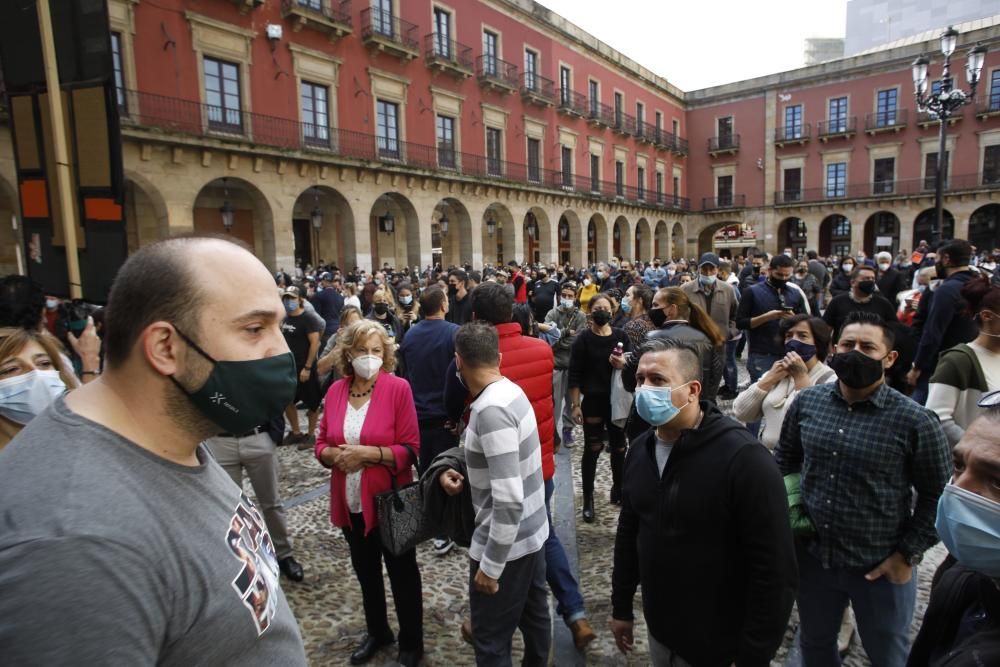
column 441, row 547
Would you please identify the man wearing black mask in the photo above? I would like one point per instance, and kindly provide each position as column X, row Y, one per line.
column 762, row 306
column 543, row 295
column 862, row 449
column 862, row 297
column 945, row 326
column 459, row 303
column 750, row 275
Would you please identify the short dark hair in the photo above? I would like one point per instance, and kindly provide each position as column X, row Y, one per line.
column 687, row 359
column 432, row 300
column 862, row 267
column 493, row 303
column 871, row 319
column 811, row 254
column 460, row 274
column 781, row 261
column 21, row 302
column 179, row 297
column 821, row 332
column 478, row 344
column 523, row 315
column 476, row 277
column 959, row 251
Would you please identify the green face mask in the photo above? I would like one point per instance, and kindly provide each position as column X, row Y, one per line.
column 241, row 395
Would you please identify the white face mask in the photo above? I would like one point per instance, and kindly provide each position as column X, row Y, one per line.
column 366, row 366
column 884, row 266
column 24, row 397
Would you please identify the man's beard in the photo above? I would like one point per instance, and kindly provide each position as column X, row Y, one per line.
column 179, row 407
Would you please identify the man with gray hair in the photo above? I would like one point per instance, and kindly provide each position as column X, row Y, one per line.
column 507, row 557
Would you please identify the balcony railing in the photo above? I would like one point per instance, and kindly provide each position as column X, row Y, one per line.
column 572, row 102
column 678, row 145
column 836, row 127
column 600, row 113
column 496, row 73
column 157, row 113
column 885, row 188
column 448, row 54
column 988, row 106
column 792, row 134
column 723, row 202
column 724, row 143
column 624, row 123
column 330, row 16
column 537, row 89
column 385, row 32
column 885, row 121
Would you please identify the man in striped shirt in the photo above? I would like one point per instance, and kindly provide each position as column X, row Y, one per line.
column 507, row 569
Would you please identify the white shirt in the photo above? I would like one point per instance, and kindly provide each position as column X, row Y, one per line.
column 353, row 421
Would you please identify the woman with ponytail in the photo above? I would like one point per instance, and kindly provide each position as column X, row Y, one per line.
column 967, row 371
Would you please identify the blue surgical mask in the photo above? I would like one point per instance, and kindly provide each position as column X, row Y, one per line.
column 626, row 304
column 707, row 281
column 51, row 304
column 24, row 397
column 969, row 526
column 804, row 350
column 406, row 300
column 600, row 275
column 291, row 306
column 566, row 304
column 654, row 404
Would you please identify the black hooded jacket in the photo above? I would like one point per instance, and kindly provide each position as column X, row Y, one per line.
column 710, row 542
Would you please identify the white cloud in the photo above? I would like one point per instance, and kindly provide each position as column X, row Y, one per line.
column 695, row 44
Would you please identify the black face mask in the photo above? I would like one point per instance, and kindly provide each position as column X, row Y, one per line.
column 756, row 270
column 658, row 316
column 778, row 283
column 452, row 290
column 867, row 287
column 600, row 317
column 381, row 308
column 856, row 369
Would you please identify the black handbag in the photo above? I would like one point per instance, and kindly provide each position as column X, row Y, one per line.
column 402, row 523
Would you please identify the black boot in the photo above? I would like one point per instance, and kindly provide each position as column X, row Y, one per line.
column 370, row 645
column 588, row 507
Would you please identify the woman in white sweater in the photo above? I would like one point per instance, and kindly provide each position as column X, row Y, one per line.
column 807, row 342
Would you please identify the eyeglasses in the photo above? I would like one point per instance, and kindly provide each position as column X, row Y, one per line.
column 990, row 399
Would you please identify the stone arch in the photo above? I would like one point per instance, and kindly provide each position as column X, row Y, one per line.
column 620, row 235
column 677, row 241
column 984, row 228
column 400, row 245
column 537, row 235
column 11, row 231
column 835, row 236
column 451, row 233
column 570, row 219
column 925, row 226
column 792, row 234
column 253, row 217
column 661, row 239
column 333, row 242
column 727, row 238
column 879, row 226
column 643, row 241
column 498, row 246
column 146, row 215
column 597, row 239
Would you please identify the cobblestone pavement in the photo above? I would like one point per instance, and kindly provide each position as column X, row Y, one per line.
column 328, row 603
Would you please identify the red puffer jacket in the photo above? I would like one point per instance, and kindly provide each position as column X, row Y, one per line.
column 527, row 362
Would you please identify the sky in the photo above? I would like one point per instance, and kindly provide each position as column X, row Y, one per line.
column 701, row 43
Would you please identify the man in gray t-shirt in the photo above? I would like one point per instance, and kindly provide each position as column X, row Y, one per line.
column 123, row 541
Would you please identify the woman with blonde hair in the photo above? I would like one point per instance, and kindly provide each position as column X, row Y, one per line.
column 369, row 438
column 32, row 376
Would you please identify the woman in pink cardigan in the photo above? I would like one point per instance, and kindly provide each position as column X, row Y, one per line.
column 368, row 418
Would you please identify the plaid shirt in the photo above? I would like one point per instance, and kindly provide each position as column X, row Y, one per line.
column 860, row 463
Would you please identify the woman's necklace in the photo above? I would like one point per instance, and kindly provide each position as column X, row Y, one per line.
column 364, row 393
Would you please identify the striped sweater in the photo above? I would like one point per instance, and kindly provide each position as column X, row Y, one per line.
column 504, row 461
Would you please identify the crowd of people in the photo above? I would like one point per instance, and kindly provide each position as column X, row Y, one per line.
column 869, row 431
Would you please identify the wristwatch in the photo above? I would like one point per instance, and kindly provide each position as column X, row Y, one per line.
column 913, row 559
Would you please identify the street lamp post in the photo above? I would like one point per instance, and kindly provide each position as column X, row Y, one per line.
column 943, row 104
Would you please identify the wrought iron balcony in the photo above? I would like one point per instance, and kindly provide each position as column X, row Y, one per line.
column 723, row 202
column 790, row 135
column 836, row 128
column 624, row 123
column 600, row 114
column 246, row 5
column 537, row 90
column 678, row 145
column 885, row 121
column 647, row 133
column 928, row 118
column 330, row 16
column 572, row 103
column 448, row 55
column 882, row 188
column 382, row 31
column 724, row 143
column 496, row 74
column 988, row 106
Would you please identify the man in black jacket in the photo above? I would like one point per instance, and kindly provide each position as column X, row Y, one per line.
column 861, row 297
column 703, row 527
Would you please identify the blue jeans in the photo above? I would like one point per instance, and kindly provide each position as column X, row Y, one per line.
column 569, row 602
column 883, row 611
column 757, row 365
column 922, row 388
column 729, row 375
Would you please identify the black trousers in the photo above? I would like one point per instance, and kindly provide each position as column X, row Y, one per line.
column 367, row 553
column 598, row 430
column 434, row 439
